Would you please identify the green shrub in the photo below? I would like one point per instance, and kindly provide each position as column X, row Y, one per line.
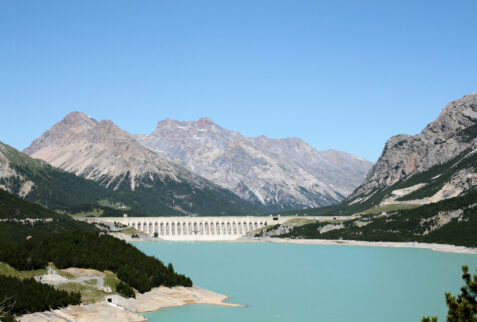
column 125, row 290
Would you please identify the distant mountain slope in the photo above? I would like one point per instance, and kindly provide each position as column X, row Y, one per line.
column 450, row 221
column 276, row 173
column 103, row 153
column 20, row 218
column 39, row 182
column 423, row 188
column 437, row 164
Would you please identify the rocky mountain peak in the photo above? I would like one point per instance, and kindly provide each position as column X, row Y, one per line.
column 77, row 118
column 456, row 116
column 63, row 131
column 205, row 122
column 108, row 134
column 396, row 139
column 98, row 151
column 104, row 153
column 166, row 124
column 439, row 142
column 108, row 128
column 280, row 173
column 201, row 125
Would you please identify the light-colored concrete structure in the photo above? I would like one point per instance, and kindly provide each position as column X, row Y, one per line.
column 193, row 228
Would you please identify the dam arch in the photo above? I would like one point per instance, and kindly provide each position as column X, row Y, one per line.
column 193, row 228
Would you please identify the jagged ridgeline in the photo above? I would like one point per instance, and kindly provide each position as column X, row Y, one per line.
column 199, row 167
column 146, row 181
column 37, row 181
column 442, row 181
column 438, row 164
column 280, row 174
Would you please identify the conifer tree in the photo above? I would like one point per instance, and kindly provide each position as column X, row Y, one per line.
column 462, row 308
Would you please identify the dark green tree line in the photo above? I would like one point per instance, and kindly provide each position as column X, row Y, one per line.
column 22, row 296
column 92, row 250
column 125, row 290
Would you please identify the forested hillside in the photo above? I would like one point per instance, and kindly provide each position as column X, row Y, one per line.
column 20, row 218
column 32, row 237
column 22, row 296
column 91, row 250
column 451, row 221
column 39, row 182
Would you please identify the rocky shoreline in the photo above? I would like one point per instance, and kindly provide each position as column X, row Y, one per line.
column 128, row 310
column 434, row 247
column 445, row 248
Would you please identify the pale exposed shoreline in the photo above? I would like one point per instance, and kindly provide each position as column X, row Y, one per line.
column 434, row 247
column 445, row 248
column 127, row 310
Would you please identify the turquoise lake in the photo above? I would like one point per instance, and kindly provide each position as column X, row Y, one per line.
column 288, row 282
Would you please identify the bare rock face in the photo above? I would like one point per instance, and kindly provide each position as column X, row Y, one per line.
column 105, row 154
column 441, row 141
column 63, row 132
column 277, row 173
column 99, row 151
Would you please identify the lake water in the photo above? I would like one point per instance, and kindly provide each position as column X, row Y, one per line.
column 288, row 282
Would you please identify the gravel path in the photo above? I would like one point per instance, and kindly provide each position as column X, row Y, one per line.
column 54, row 278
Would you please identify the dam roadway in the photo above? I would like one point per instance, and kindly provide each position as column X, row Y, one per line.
column 193, row 228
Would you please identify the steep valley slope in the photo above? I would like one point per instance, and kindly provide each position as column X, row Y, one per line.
column 422, row 188
column 109, row 156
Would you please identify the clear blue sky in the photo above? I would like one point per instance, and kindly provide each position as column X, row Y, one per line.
column 340, row 74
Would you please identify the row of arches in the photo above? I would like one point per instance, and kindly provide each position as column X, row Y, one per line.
column 191, row 228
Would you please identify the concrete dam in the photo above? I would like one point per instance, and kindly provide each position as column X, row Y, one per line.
column 193, row 228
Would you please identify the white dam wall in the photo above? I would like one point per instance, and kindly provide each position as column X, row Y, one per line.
column 193, row 228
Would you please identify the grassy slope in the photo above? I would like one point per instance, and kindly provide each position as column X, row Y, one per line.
column 7, row 270
column 89, row 293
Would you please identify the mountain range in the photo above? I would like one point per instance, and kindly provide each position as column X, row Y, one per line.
column 103, row 153
column 422, row 188
column 276, row 173
column 196, row 170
